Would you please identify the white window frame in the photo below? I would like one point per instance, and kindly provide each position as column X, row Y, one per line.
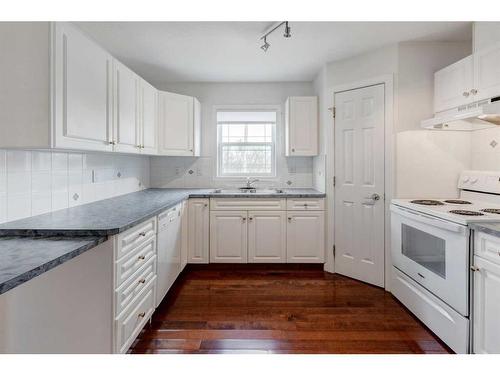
column 275, row 144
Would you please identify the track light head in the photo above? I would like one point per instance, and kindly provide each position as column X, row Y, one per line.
column 265, row 46
column 288, row 31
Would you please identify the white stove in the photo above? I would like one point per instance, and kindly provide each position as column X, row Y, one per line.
column 430, row 250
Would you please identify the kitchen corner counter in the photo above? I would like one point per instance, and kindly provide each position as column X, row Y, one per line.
column 489, row 228
column 115, row 215
column 24, row 258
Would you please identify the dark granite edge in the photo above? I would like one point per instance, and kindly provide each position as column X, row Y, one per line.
column 113, row 231
column 41, row 269
column 487, row 228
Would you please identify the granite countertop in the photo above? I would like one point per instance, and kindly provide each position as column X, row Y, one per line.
column 32, row 246
column 115, row 215
column 23, row 258
column 490, row 228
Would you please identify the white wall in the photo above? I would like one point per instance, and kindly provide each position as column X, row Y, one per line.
column 485, row 34
column 36, row 182
column 175, row 171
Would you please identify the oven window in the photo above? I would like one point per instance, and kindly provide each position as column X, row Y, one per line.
column 427, row 250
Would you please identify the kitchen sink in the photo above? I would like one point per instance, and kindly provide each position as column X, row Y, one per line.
column 248, row 191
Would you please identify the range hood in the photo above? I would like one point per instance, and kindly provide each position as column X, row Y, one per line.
column 474, row 116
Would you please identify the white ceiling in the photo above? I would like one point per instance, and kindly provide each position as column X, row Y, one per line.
column 229, row 51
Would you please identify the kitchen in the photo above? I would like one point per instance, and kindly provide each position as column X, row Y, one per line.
column 169, row 206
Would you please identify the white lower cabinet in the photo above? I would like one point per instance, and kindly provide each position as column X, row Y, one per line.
column 486, row 328
column 267, row 237
column 305, row 233
column 228, row 237
column 198, row 230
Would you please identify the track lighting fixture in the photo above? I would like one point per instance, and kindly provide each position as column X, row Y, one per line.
column 265, row 46
column 287, row 34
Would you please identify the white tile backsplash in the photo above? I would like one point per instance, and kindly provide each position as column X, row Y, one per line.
column 37, row 182
column 174, row 172
column 486, row 149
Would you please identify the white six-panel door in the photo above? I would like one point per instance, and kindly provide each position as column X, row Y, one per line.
column 359, row 189
column 266, row 236
column 228, row 237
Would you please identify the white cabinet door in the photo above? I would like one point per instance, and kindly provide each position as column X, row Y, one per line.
column 176, row 124
column 305, row 237
column 149, row 119
column 184, row 234
column 452, row 85
column 486, row 331
column 267, row 237
column 126, row 127
column 301, row 126
column 228, row 237
column 198, row 230
column 82, row 91
column 487, row 73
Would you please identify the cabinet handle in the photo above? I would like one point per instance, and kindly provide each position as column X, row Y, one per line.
column 142, row 234
column 142, row 315
column 141, row 257
column 142, row 281
column 474, row 268
column 473, row 91
column 465, row 94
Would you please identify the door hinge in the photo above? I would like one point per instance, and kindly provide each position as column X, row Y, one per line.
column 334, row 251
column 332, row 109
column 334, row 181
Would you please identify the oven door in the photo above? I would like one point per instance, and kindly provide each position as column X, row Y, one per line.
column 434, row 253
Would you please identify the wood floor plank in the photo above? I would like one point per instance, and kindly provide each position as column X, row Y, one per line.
column 240, row 309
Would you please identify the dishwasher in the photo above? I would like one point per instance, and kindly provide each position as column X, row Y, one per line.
column 169, row 250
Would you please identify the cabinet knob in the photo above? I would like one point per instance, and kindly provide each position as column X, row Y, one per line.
column 142, row 315
column 473, row 91
column 142, row 281
column 474, row 268
column 293, row 150
column 142, row 234
column 205, row 205
column 465, row 94
column 290, row 219
column 141, row 257
column 112, row 142
column 250, row 218
column 244, row 219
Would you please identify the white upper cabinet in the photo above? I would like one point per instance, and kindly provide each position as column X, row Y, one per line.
column 179, row 125
column 149, row 118
column 452, row 85
column 301, row 126
column 487, row 72
column 126, row 120
column 82, row 89
column 474, row 78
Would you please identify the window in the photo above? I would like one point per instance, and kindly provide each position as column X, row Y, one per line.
column 246, row 143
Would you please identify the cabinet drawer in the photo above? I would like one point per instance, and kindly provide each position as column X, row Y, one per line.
column 311, row 204
column 130, row 239
column 128, row 265
column 238, row 204
column 487, row 246
column 134, row 285
column 131, row 321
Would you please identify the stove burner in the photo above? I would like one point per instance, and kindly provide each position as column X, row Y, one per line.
column 457, row 201
column 427, row 202
column 491, row 210
column 466, row 213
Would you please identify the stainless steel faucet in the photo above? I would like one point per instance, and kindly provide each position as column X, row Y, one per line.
column 250, row 182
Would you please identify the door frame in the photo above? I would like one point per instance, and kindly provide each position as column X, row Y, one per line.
column 389, row 163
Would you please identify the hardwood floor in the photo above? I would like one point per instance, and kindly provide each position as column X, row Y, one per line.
column 280, row 309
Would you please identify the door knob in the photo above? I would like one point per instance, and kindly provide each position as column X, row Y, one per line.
column 374, row 197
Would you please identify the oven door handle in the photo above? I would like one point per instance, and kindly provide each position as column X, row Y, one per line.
column 430, row 220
